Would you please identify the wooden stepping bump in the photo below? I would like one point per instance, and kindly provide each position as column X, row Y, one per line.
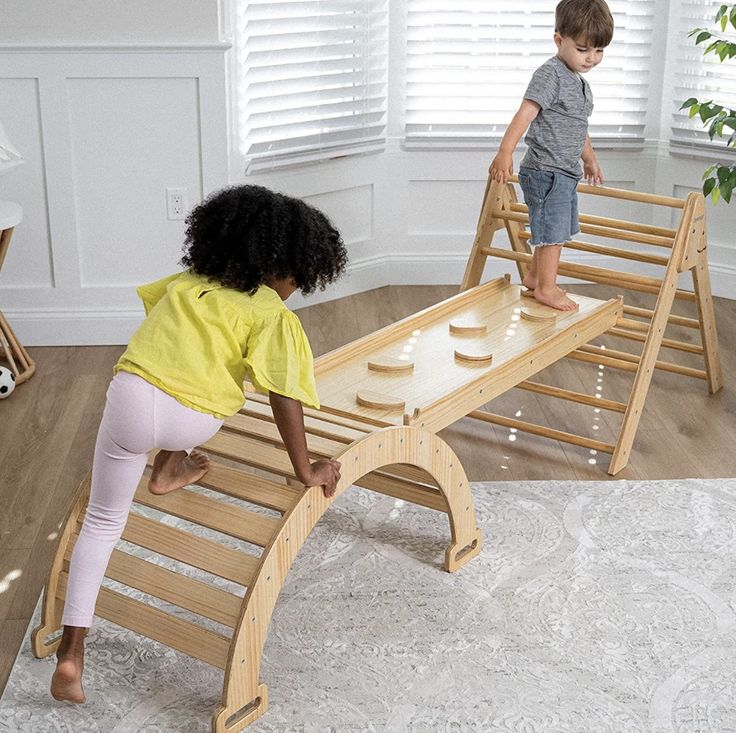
column 476, row 354
column 538, row 313
column 378, row 401
column 465, row 327
column 391, row 365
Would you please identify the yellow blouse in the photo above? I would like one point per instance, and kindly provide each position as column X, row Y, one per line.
column 201, row 340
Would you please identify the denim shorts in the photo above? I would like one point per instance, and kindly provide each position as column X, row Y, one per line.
column 553, row 205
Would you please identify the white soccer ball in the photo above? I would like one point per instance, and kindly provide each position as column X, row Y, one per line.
column 7, row 383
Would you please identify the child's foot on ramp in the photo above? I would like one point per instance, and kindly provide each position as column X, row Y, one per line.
column 174, row 469
column 556, row 298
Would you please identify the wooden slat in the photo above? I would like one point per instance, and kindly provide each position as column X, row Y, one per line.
column 595, row 230
column 631, row 226
column 188, row 593
column 623, row 254
column 263, row 430
column 571, row 396
column 675, row 320
column 248, row 487
column 629, row 362
column 218, row 515
column 322, row 424
column 199, row 552
column 157, row 625
column 602, row 275
column 541, row 430
column 637, row 335
column 622, row 193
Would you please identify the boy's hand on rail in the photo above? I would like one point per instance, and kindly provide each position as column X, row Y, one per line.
column 502, row 167
column 592, row 172
column 324, row 473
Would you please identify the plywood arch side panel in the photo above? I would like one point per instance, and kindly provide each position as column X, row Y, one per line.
column 244, row 698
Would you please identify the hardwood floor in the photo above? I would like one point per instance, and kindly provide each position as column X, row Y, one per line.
column 48, row 428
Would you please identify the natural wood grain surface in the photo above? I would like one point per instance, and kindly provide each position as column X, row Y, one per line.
column 48, row 428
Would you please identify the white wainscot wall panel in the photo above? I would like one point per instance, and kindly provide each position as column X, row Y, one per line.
column 131, row 139
column 28, row 263
column 105, row 131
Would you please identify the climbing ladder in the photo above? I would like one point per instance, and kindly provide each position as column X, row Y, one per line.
column 677, row 250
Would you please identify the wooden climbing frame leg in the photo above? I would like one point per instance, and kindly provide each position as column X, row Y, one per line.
column 52, row 605
column 707, row 318
column 245, row 698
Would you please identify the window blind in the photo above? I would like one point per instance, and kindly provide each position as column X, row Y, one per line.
column 311, row 79
column 469, row 62
column 703, row 77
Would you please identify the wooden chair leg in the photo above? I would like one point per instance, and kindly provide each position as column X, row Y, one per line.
column 20, row 363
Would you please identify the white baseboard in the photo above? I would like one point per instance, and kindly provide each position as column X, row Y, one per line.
column 67, row 327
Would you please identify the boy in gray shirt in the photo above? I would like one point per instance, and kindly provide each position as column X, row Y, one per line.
column 555, row 108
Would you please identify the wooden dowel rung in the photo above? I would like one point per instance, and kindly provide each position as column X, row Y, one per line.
column 211, row 513
column 603, row 360
column 594, row 229
column 188, row 593
column 631, row 226
column 137, row 616
column 570, row 396
column 626, row 280
column 596, row 352
column 199, row 552
column 541, row 430
column 673, row 319
column 666, row 343
column 622, row 193
column 622, row 254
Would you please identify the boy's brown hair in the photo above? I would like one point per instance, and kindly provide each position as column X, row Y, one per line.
column 588, row 21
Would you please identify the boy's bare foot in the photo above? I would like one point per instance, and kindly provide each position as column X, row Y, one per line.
column 529, row 282
column 66, row 682
column 174, row 469
column 556, row 298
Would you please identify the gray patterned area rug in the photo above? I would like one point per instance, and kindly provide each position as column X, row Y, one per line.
column 594, row 607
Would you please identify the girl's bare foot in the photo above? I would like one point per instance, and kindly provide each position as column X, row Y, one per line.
column 174, row 469
column 556, row 298
column 66, row 682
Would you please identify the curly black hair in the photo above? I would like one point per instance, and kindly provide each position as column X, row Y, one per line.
column 240, row 235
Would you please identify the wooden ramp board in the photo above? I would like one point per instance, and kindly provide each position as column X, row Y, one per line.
column 443, row 388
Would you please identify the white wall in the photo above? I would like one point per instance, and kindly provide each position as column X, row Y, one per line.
column 108, row 21
column 110, row 107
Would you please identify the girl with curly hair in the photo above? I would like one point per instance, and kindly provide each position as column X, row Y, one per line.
column 207, row 329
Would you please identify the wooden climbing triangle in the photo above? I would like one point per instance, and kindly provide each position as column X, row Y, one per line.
column 677, row 250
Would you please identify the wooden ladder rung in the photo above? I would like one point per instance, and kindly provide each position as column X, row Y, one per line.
column 193, row 595
column 595, row 230
column 629, row 362
column 211, row 513
column 541, row 430
column 631, row 226
column 199, row 552
column 637, row 335
column 570, row 396
column 675, row 320
column 158, row 625
column 603, row 275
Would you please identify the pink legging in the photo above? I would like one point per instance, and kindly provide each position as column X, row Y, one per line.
column 138, row 418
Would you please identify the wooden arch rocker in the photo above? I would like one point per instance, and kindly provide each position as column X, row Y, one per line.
column 423, row 455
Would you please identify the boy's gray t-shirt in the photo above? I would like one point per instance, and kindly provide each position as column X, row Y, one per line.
column 557, row 134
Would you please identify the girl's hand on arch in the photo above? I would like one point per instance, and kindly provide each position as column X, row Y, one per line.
column 324, row 473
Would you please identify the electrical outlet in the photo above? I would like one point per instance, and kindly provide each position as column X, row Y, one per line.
column 176, row 203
